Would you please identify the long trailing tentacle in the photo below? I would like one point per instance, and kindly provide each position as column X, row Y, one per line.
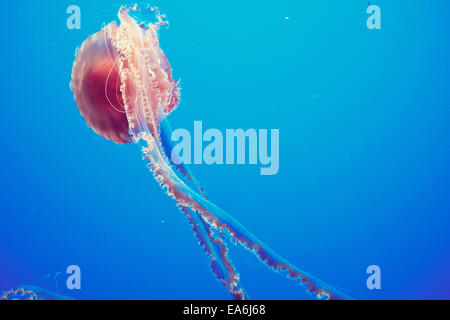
column 212, row 242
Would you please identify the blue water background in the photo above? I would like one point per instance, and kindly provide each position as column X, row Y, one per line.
column 364, row 151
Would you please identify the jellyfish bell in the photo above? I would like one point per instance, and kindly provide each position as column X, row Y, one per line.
column 122, row 68
column 96, row 88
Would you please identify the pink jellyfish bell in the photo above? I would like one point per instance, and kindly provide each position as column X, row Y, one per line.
column 120, row 68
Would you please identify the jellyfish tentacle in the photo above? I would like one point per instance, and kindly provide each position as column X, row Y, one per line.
column 217, row 218
column 182, row 168
column 215, row 248
column 213, row 244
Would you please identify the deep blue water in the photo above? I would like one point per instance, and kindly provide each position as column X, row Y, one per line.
column 364, row 151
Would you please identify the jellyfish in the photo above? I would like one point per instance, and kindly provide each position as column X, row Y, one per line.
column 19, row 294
column 36, row 291
column 32, row 292
column 123, row 87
